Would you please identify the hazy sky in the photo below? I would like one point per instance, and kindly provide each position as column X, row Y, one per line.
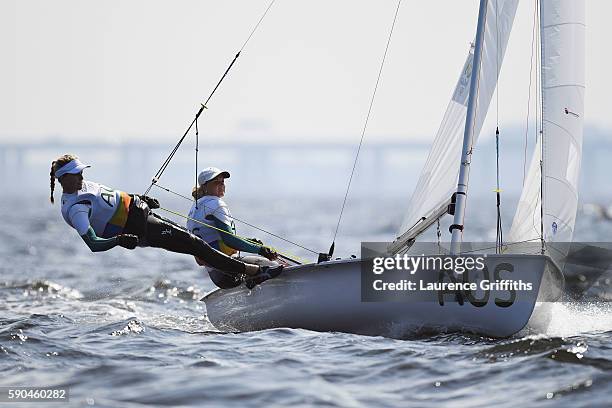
column 137, row 70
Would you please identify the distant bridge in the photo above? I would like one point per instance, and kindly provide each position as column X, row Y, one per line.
column 254, row 161
column 318, row 167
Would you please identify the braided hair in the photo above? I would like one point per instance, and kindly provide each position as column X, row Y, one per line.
column 55, row 166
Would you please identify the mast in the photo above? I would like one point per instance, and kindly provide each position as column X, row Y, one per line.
column 464, row 170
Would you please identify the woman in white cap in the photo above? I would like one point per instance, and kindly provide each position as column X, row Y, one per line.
column 105, row 218
column 211, row 220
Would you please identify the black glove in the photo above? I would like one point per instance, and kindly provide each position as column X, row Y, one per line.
column 256, row 241
column 151, row 202
column 268, row 253
column 128, row 241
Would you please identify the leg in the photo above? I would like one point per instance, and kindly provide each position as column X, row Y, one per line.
column 223, row 279
column 168, row 235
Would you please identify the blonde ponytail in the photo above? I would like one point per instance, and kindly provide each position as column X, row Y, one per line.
column 198, row 192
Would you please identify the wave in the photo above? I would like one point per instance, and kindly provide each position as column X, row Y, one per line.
column 41, row 287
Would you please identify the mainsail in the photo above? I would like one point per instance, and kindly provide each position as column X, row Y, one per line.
column 438, row 179
column 562, row 31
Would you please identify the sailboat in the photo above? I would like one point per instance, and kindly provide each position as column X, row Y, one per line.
column 327, row 296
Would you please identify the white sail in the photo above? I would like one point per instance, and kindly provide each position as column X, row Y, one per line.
column 438, row 179
column 526, row 224
column 562, row 26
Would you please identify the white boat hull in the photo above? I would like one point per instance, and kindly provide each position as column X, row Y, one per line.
column 327, row 297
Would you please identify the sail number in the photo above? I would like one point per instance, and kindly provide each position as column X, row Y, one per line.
column 484, row 296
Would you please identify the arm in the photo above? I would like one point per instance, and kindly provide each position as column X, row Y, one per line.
column 97, row 244
column 230, row 239
column 80, row 221
column 79, row 217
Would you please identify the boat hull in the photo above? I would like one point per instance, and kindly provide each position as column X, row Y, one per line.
column 327, row 297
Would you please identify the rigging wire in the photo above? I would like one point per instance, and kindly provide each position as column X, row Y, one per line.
column 239, row 220
column 499, row 237
column 204, row 105
column 257, row 25
column 365, row 126
column 194, row 122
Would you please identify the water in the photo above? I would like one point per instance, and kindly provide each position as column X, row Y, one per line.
column 126, row 328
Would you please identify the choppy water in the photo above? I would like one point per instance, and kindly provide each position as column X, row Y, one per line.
column 126, row 329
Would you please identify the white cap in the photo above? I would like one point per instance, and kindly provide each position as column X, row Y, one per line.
column 210, row 173
column 72, row 167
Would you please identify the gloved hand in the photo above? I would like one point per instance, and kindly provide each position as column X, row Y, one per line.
column 265, row 273
column 128, row 241
column 151, row 202
column 256, row 241
column 268, row 253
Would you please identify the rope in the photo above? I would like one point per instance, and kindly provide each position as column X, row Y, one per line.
column 203, row 106
column 241, row 221
column 348, row 187
column 173, row 192
column 287, row 255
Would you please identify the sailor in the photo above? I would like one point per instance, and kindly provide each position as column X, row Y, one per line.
column 105, row 218
column 211, row 220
